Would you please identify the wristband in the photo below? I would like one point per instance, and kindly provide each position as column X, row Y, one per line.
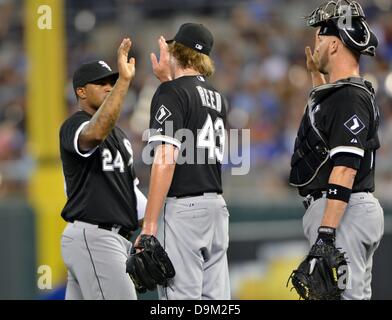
column 337, row 192
column 326, row 235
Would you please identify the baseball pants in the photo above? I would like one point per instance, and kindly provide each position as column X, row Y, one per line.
column 359, row 234
column 96, row 262
column 195, row 233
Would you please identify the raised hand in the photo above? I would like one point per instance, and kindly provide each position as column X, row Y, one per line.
column 311, row 60
column 161, row 68
column 126, row 68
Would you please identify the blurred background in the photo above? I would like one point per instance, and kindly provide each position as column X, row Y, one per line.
column 260, row 68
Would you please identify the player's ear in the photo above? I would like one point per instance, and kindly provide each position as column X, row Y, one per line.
column 81, row 92
column 316, row 37
column 333, row 46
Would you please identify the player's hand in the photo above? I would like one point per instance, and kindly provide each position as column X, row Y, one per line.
column 136, row 243
column 126, row 68
column 312, row 63
column 151, row 231
column 311, row 60
column 161, row 68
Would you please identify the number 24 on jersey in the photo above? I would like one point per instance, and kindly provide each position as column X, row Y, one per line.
column 108, row 164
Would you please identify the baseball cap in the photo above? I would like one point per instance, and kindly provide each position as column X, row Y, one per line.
column 92, row 71
column 194, row 36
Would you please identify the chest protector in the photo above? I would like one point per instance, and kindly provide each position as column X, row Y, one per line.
column 311, row 150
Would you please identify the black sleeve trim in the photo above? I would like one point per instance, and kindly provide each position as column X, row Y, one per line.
column 347, row 160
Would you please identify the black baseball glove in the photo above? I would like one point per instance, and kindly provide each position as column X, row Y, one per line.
column 151, row 266
column 320, row 275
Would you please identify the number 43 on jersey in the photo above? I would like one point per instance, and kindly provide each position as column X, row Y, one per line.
column 206, row 138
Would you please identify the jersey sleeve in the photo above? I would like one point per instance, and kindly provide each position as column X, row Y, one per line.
column 69, row 134
column 166, row 117
column 348, row 124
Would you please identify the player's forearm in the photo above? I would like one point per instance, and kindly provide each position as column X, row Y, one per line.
column 333, row 213
column 318, row 79
column 161, row 177
column 342, row 176
column 106, row 117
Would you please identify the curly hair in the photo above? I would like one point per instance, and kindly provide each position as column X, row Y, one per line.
column 189, row 58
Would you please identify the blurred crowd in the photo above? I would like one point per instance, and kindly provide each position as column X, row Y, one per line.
column 260, row 68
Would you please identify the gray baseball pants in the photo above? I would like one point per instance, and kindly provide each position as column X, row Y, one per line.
column 96, row 262
column 359, row 234
column 195, row 233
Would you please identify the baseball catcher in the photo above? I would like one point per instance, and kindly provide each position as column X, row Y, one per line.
column 333, row 163
column 150, row 266
column 320, row 275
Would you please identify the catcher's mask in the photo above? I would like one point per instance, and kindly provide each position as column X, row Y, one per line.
column 345, row 19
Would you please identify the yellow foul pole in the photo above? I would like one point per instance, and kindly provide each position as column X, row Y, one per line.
column 45, row 48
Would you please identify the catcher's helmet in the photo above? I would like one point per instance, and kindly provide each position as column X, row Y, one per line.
column 345, row 19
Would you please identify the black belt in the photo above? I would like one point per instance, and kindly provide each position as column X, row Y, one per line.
column 125, row 232
column 122, row 231
column 195, row 194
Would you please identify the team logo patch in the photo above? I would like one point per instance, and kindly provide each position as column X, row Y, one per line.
column 162, row 114
column 354, row 124
column 104, row 64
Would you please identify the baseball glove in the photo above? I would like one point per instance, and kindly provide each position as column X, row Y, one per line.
column 151, row 266
column 320, row 275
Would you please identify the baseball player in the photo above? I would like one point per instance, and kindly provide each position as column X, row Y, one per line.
column 103, row 203
column 194, row 219
column 334, row 155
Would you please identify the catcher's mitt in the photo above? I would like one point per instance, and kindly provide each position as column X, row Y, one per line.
column 151, row 266
column 319, row 276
